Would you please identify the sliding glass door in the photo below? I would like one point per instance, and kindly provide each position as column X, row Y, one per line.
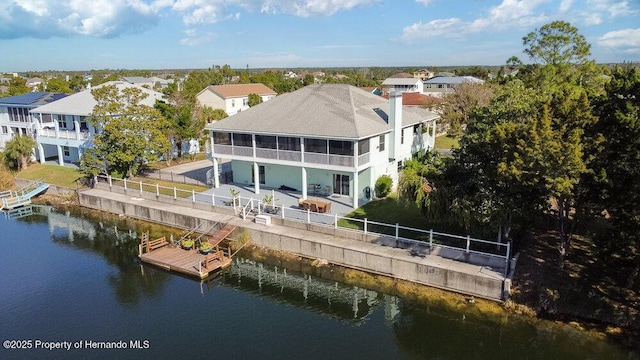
column 341, row 184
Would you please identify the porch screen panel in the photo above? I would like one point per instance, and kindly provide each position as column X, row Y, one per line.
column 222, row 138
column 318, row 146
column 288, row 143
column 337, row 147
column 266, row 142
column 363, row 146
column 242, row 140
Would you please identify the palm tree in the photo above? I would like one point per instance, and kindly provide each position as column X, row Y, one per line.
column 19, row 149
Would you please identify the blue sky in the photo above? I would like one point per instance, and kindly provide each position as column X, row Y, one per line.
column 154, row 34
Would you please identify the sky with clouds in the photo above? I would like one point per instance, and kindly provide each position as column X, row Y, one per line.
column 156, row 34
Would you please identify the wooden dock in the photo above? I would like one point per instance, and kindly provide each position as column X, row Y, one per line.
column 161, row 253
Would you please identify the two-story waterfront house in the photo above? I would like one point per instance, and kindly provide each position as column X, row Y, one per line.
column 15, row 119
column 62, row 129
column 328, row 138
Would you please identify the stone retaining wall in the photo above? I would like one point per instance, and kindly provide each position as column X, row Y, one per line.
column 315, row 241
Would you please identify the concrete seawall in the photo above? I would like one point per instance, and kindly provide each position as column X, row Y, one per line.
column 344, row 247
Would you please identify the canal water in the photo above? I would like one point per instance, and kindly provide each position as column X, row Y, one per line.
column 75, row 280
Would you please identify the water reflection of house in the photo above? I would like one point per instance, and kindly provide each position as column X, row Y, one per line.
column 66, row 223
column 318, row 295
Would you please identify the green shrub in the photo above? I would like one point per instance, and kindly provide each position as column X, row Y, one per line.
column 383, row 186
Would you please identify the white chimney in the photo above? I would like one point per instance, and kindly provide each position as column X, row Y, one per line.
column 395, row 120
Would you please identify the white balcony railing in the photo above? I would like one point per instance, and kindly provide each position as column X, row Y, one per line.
column 65, row 134
column 286, row 155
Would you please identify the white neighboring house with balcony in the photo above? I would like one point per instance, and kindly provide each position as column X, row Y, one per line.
column 333, row 138
column 233, row 98
column 62, row 128
column 392, row 84
column 15, row 119
column 439, row 86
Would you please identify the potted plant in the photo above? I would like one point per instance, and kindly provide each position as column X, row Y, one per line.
column 186, row 244
column 269, row 204
column 206, row 247
column 234, row 193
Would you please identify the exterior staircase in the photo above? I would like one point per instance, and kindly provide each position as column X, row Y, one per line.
column 14, row 199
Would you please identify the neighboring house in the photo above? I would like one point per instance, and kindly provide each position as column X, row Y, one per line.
column 411, row 84
column 423, row 74
column 334, row 138
column 15, row 119
column 291, row 75
column 33, row 82
column 150, row 82
column 62, row 129
column 441, row 85
column 233, row 98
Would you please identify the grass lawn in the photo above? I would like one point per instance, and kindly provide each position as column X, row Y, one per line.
column 166, row 187
column 52, row 174
column 446, row 142
column 66, row 176
column 159, row 165
column 387, row 210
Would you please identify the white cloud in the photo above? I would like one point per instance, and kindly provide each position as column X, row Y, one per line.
column 307, row 8
column 212, row 11
column 100, row 18
column 424, row 2
column 626, row 40
column 614, row 8
column 565, row 5
column 509, row 14
column 434, row 28
column 194, row 38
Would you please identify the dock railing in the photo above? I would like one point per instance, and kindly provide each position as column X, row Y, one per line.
column 418, row 241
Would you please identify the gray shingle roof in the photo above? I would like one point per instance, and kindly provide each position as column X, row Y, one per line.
column 453, row 80
column 82, row 103
column 323, row 110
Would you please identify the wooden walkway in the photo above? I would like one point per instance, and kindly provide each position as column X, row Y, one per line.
column 172, row 257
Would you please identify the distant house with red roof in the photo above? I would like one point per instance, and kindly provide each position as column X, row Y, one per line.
column 233, row 98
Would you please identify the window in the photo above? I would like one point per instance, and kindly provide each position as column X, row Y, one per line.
column 381, row 141
column 66, row 151
column 18, row 114
column 233, row 102
column 338, row 147
column 221, row 138
column 266, row 142
column 245, row 101
column 288, row 143
column 5, row 130
column 242, row 140
column 315, row 146
column 363, row 146
column 401, row 136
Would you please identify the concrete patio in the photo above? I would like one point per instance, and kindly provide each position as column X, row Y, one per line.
column 340, row 205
